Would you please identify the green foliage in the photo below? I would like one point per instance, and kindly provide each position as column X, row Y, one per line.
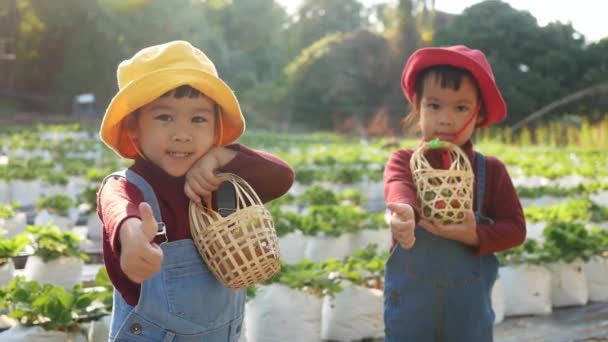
column 48, row 306
column 531, row 252
column 364, row 267
column 11, row 247
column 57, row 204
column 545, row 66
column 578, row 209
column 318, row 195
column 50, row 243
column 582, row 189
column 307, row 276
column 568, row 242
column 105, row 289
column 8, row 211
column 334, row 220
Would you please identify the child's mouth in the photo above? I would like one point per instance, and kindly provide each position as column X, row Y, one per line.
column 179, row 154
column 445, row 136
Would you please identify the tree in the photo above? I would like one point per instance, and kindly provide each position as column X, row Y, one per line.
column 532, row 65
column 316, row 19
column 358, row 67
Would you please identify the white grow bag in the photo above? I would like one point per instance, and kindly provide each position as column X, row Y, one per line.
column 279, row 314
column 568, row 284
column 354, row 314
column 596, row 271
column 527, row 290
column 65, row 272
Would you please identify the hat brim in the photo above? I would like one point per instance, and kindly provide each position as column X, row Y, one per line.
column 149, row 87
column 494, row 104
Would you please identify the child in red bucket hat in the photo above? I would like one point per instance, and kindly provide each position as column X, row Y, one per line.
column 178, row 121
column 439, row 277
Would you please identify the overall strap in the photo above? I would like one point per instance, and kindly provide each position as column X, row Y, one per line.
column 481, row 185
column 147, row 191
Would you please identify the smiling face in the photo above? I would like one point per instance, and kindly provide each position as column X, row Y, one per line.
column 446, row 106
column 174, row 132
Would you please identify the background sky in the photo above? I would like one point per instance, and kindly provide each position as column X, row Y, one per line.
column 588, row 16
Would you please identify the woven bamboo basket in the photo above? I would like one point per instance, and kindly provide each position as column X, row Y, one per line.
column 443, row 195
column 241, row 249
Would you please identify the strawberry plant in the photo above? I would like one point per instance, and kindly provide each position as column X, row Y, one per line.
column 567, row 241
column 531, row 252
column 50, row 243
column 307, row 276
column 57, row 204
column 10, row 248
column 578, row 209
column 365, row 267
column 8, row 211
column 48, row 306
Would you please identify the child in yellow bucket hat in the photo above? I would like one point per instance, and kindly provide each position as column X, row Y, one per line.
column 176, row 119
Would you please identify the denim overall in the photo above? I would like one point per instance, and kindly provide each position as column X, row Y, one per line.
column 184, row 302
column 440, row 290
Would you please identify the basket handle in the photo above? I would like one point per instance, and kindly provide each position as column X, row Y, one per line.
column 245, row 196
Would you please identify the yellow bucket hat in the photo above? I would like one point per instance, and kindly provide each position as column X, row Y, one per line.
column 156, row 70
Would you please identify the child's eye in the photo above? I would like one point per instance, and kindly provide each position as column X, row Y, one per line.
column 164, row 117
column 433, row 106
column 462, row 108
column 199, row 119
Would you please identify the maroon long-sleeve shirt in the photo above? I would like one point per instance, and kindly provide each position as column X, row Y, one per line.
column 500, row 198
column 118, row 200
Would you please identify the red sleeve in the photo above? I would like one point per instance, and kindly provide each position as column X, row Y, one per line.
column 502, row 205
column 399, row 186
column 117, row 201
column 267, row 174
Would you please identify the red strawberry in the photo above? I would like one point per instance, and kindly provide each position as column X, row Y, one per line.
column 440, row 204
column 455, row 203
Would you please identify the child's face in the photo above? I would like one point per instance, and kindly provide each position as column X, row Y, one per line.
column 173, row 133
column 445, row 111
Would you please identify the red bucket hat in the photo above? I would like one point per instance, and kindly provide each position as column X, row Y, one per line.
column 462, row 57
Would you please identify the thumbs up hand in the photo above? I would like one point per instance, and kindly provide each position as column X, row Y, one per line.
column 140, row 257
column 403, row 224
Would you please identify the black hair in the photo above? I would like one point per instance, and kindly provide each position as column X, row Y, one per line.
column 183, row 91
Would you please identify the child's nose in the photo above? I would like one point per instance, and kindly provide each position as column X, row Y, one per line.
column 445, row 118
column 182, row 136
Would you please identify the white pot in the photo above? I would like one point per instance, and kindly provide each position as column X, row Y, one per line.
column 322, row 247
column 534, row 230
column 43, row 218
column 600, row 198
column 14, row 225
column 596, row 271
column 20, row 333
column 279, row 314
column 48, row 190
column 292, row 247
column 498, row 301
column 354, row 314
column 297, row 189
column 94, row 227
column 99, row 330
column 5, row 192
column 381, row 237
column 7, row 271
column 568, row 284
column 570, row 181
column 65, row 271
column 26, row 192
column 531, row 182
column 542, row 201
column 527, row 290
column 76, row 186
